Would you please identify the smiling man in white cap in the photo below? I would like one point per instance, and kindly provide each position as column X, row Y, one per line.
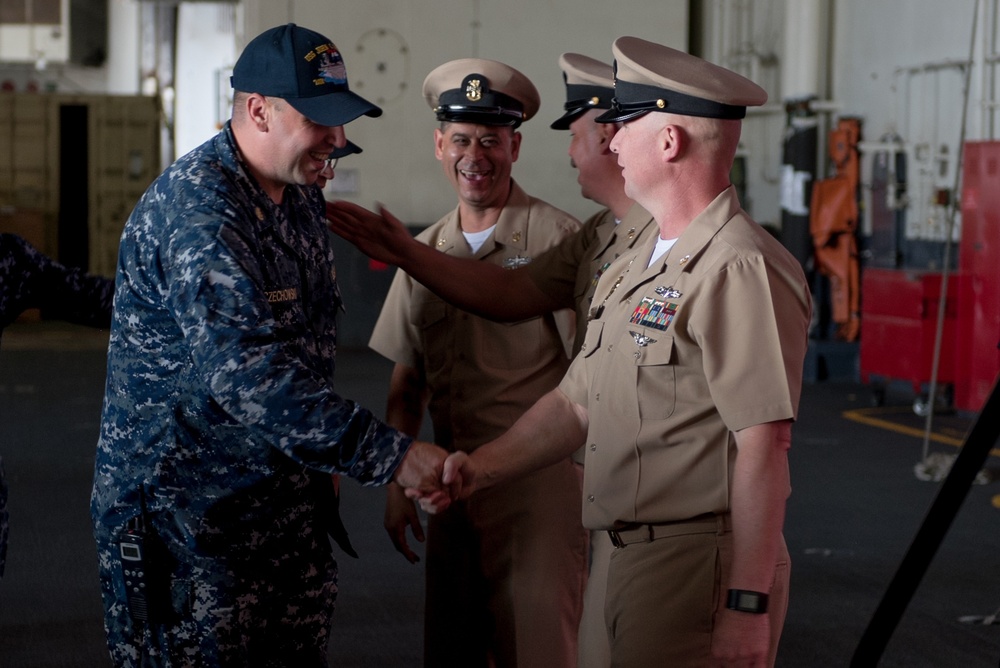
column 505, row 570
column 213, row 495
column 686, row 387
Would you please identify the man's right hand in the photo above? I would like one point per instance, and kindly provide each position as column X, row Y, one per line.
column 458, row 481
column 459, row 475
column 380, row 236
column 421, row 472
column 400, row 513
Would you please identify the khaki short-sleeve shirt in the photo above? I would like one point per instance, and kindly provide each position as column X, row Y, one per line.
column 569, row 272
column 708, row 340
column 482, row 374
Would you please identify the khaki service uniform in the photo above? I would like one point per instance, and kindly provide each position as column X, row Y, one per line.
column 569, row 272
column 708, row 340
column 505, row 569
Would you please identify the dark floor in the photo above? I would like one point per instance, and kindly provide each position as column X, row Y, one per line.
column 856, row 506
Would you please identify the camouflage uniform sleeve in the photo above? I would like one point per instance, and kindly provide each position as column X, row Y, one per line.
column 259, row 374
column 34, row 280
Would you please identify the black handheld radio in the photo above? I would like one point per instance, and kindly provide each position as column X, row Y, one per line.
column 134, row 568
column 136, row 562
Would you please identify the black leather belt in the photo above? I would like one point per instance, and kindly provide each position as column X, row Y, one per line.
column 645, row 533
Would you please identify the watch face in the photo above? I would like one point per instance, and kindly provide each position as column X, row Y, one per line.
column 747, row 601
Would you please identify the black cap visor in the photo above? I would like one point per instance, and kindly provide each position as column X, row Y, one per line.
column 333, row 109
column 567, row 119
column 581, row 98
column 633, row 100
column 479, row 115
column 350, row 148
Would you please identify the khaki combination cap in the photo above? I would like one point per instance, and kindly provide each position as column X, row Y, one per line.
column 653, row 77
column 485, row 92
column 590, row 84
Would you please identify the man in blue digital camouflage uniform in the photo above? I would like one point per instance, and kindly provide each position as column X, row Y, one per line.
column 213, row 493
column 30, row 279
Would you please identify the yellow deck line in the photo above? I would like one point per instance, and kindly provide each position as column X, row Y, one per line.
column 864, row 416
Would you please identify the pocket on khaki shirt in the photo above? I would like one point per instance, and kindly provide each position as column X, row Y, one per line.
column 651, row 353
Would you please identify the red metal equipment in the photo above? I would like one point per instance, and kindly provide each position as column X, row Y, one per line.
column 978, row 356
column 899, row 312
column 899, row 307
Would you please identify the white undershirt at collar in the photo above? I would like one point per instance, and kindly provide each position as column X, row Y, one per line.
column 662, row 246
column 477, row 239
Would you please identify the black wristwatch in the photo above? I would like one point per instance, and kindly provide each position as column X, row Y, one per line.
column 747, row 601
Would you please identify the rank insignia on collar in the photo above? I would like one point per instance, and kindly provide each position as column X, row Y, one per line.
column 684, row 260
column 641, row 340
column 515, row 262
column 631, row 233
column 668, row 293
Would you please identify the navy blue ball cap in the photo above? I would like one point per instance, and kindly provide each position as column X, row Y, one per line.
column 350, row 148
column 653, row 77
column 303, row 68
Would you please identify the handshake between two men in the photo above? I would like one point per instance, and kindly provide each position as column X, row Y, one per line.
column 434, row 478
column 549, row 431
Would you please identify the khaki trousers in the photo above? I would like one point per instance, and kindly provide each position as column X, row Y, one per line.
column 595, row 651
column 663, row 595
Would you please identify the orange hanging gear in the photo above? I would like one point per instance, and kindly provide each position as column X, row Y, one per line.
column 833, row 223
